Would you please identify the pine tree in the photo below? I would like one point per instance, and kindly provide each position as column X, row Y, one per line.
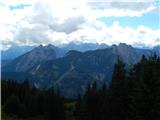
column 54, row 107
column 117, row 99
column 91, row 101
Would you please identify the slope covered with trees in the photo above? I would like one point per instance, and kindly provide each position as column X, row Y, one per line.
column 134, row 94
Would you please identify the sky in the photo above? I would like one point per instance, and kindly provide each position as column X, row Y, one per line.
column 34, row 22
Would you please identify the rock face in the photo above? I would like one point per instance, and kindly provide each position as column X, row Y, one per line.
column 127, row 53
column 29, row 59
column 72, row 73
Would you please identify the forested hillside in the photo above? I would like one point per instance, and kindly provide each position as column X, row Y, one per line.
column 134, row 94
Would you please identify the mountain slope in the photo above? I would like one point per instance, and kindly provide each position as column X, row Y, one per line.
column 29, row 59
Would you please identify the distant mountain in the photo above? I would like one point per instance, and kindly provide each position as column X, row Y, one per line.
column 73, row 72
column 15, row 51
column 31, row 58
column 82, row 47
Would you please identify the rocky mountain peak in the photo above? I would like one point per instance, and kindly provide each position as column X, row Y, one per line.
column 124, row 45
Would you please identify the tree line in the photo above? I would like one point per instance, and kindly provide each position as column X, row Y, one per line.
column 134, row 94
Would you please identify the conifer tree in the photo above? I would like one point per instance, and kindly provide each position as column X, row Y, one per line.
column 117, row 100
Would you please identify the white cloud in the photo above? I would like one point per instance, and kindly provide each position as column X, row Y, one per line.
column 121, row 7
column 16, row 2
column 116, row 34
column 62, row 21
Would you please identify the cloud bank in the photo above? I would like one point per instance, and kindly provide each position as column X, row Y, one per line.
column 63, row 21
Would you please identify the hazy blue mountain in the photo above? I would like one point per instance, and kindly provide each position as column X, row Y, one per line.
column 15, row 51
column 83, row 46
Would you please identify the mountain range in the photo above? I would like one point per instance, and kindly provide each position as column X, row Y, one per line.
column 15, row 50
column 71, row 70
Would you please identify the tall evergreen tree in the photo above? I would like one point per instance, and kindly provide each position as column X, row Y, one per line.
column 117, row 100
column 91, row 102
column 54, row 107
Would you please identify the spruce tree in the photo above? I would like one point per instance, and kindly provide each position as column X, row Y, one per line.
column 54, row 107
column 117, row 100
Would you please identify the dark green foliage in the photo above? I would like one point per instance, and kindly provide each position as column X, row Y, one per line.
column 145, row 99
column 54, row 108
column 13, row 106
column 118, row 94
column 21, row 100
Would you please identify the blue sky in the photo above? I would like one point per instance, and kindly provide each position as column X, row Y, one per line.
column 32, row 22
column 151, row 20
column 19, row 6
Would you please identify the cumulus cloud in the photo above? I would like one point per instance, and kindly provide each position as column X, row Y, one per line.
column 133, row 5
column 63, row 21
column 122, row 7
column 116, row 34
column 70, row 25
